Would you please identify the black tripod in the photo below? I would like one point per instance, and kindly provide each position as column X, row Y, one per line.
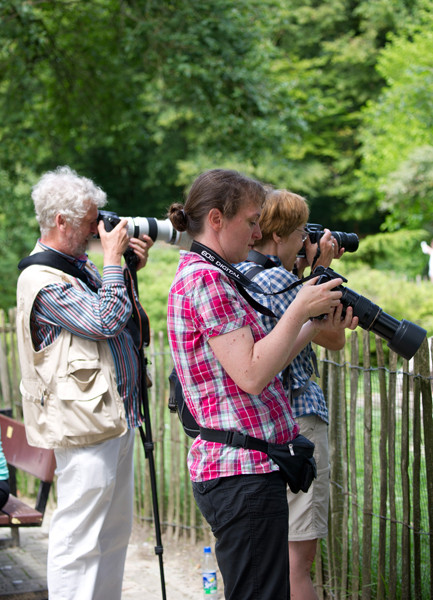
column 139, row 328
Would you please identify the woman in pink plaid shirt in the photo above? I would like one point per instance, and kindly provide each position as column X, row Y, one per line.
column 228, row 368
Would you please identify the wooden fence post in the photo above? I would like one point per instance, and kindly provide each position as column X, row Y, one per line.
column 381, row 570
column 392, row 427
column 427, row 411
column 405, row 481
column 354, row 380
column 367, row 529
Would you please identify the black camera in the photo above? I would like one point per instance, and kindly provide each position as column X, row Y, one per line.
column 157, row 229
column 403, row 337
column 348, row 241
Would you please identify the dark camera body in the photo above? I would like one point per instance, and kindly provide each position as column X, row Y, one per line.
column 403, row 337
column 348, row 241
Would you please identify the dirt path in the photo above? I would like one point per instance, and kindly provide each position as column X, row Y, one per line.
column 181, row 564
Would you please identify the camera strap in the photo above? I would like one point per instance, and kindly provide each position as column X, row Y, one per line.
column 49, row 258
column 138, row 323
column 241, row 280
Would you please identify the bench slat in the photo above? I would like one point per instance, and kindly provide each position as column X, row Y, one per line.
column 20, row 513
column 4, row 519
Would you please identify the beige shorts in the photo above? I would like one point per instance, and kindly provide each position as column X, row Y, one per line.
column 308, row 512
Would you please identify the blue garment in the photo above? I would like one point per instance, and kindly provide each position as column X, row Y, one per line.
column 4, row 473
column 310, row 401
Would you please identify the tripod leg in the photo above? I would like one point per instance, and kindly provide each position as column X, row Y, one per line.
column 148, row 451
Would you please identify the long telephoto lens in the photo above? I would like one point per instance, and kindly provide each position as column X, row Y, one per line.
column 157, row 229
column 403, row 337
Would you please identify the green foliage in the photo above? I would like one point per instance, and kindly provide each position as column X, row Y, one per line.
column 155, row 92
column 18, row 232
column 328, row 52
column 397, row 134
column 147, row 86
column 154, row 282
column 396, row 253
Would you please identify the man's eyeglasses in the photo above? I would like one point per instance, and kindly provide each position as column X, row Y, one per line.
column 303, row 233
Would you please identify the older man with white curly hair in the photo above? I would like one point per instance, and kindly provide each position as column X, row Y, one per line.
column 80, row 382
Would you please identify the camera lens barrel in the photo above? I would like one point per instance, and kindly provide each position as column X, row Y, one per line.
column 407, row 339
column 403, row 337
column 157, row 229
column 348, row 241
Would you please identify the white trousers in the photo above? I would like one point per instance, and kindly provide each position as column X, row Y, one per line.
column 90, row 529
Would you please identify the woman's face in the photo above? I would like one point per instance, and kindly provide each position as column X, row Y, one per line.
column 289, row 246
column 238, row 234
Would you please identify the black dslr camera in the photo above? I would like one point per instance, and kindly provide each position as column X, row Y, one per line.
column 348, row 241
column 403, row 337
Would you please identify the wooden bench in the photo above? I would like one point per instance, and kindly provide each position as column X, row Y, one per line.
column 38, row 462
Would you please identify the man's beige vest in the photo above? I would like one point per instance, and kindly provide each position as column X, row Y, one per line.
column 69, row 388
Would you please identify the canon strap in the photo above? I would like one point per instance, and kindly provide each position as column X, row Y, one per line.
column 241, row 280
column 259, row 262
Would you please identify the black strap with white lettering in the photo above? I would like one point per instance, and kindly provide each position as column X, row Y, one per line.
column 235, row 275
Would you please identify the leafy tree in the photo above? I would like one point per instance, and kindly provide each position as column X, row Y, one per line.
column 328, row 53
column 145, row 94
column 397, row 134
column 18, row 232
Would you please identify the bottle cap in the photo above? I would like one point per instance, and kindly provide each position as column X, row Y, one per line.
column 207, row 550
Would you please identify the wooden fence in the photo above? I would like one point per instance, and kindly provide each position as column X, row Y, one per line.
column 380, row 542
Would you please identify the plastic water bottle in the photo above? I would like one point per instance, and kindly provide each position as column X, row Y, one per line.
column 209, row 574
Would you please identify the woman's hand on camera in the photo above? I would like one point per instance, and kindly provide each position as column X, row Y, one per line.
column 335, row 322
column 328, row 250
column 330, row 331
column 317, row 300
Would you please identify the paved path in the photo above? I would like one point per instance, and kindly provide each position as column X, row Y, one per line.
column 23, row 569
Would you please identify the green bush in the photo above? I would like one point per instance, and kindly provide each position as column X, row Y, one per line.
column 398, row 252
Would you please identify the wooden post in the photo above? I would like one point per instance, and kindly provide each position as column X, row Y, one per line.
column 383, row 460
column 367, row 529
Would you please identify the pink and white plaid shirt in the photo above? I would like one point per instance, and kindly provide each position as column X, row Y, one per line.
column 203, row 303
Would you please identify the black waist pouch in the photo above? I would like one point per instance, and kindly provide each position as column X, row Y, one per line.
column 295, row 459
column 296, row 462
